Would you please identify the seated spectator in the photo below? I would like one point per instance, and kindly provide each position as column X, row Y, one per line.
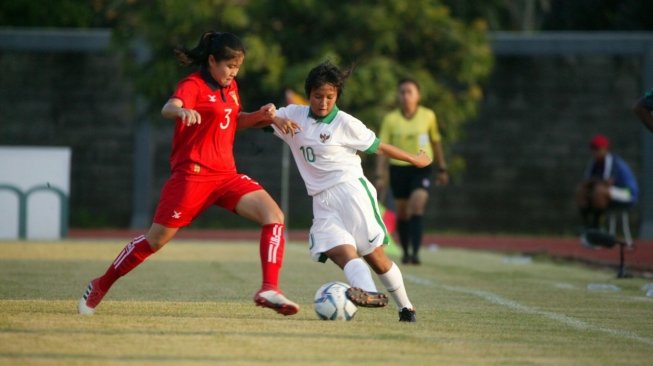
column 608, row 183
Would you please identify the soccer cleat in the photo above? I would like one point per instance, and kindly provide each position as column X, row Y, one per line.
column 407, row 315
column 90, row 300
column 415, row 260
column 366, row 299
column 275, row 300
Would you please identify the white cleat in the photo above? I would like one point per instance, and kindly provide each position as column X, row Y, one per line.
column 276, row 301
column 90, row 300
column 83, row 309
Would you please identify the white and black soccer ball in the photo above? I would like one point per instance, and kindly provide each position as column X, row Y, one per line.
column 331, row 302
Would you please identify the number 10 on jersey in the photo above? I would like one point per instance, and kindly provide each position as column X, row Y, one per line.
column 309, row 154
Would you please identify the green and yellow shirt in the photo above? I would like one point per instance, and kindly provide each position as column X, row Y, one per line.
column 411, row 135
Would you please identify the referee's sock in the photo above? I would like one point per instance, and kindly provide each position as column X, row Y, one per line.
column 403, row 228
column 416, row 225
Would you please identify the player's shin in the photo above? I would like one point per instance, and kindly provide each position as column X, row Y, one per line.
column 271, row 250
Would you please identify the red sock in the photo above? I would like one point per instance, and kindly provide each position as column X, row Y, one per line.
column 271, row 251
column 131, row 256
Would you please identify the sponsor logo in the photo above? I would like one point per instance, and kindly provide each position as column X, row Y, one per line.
column 426, row 182
column 373, row 239
column 324, row 137
column 212, row 98
column 176, row 214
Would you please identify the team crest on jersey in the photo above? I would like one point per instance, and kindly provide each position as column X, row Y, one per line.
column 234, row 97
column 324, row 137
column 212, row 98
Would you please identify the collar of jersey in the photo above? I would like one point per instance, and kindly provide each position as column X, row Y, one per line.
column 326, row 119
column 209, row 80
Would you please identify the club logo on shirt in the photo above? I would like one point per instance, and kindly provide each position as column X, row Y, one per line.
column 324, row 137
column 176, row 214
column 212, row 98
column 234, row 97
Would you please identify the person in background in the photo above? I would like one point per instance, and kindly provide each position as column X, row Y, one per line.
column 412, row 128
column 643, row 109
column 608, row 183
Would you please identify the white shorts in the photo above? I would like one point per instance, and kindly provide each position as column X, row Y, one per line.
column 347, row 213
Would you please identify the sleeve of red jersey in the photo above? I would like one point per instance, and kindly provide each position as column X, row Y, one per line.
column 187, row 91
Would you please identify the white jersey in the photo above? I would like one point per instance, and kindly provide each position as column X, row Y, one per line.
column 325, row 149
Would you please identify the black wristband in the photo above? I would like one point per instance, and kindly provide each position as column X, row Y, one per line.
column 442, row 170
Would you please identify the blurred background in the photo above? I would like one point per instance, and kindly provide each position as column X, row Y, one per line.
column 519, row 87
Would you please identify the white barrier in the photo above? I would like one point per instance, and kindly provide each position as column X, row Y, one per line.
column 34, row 191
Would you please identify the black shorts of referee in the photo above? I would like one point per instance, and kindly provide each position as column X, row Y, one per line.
column 406, row 179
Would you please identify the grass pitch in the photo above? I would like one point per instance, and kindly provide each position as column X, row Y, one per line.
column 191, row 304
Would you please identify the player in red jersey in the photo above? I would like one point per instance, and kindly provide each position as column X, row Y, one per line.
column 207, row 110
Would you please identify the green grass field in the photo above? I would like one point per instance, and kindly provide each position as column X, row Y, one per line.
column 191, row 304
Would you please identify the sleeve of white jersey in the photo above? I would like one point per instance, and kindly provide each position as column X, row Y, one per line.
column 357, row 136
column 281, row 113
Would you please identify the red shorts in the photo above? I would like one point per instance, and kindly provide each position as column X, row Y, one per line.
column 183, row 199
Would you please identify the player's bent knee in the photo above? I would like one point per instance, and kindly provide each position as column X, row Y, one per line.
column 158, row 236
column 273, row 217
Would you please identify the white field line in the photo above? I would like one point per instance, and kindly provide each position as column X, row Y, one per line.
column 513, row 305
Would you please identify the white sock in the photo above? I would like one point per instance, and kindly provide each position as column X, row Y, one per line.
column 358, row 274
column 394, row 283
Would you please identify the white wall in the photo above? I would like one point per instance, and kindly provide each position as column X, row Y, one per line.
column 25, row 168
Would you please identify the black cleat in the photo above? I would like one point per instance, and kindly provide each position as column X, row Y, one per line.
column 366, row 299
column 407, row 315
column 405, row 259
column 415, row 260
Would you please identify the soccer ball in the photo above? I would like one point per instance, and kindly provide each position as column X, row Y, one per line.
column 331, row 302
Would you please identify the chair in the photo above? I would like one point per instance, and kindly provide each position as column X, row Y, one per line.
column 620, row 213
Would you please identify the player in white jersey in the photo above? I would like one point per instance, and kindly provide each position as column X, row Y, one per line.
column 346, row 220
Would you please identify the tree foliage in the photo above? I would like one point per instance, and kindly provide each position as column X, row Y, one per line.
column 382, row 40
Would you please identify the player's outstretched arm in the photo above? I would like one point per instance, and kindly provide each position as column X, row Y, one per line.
column 173, row 109
column 644, row 114
column 259, row 119
column 420, row 160
column 286, row 125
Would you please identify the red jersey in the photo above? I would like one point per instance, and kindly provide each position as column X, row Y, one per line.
column 206, row 149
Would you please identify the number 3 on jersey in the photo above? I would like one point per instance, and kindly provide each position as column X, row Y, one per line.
column 309, row 154
column 227, row 113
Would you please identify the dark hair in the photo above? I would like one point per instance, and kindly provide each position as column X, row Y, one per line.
column 223, row 46
column 405, row 80
column 326, row 73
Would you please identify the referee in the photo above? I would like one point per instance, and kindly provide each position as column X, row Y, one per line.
column 411, row 128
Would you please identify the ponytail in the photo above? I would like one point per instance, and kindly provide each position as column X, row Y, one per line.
column 223, row 46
